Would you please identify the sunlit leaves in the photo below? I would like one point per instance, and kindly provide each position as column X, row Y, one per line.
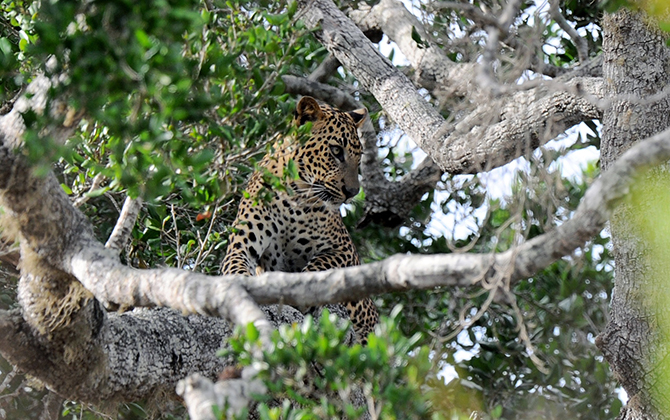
column 310, row 365
column 177, row 96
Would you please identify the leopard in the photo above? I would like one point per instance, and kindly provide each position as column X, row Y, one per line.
column 299, row 228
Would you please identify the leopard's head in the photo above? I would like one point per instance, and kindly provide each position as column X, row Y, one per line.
column 328, row 162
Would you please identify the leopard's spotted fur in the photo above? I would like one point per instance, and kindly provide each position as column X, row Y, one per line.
column 303, row 230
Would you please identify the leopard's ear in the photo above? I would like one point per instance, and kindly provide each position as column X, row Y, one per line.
column 307, row 110
column 359, row 116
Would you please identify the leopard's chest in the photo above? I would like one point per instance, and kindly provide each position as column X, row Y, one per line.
column 302, row 233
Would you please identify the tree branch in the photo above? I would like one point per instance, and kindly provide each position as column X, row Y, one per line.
column 491, row 135
column 323, row 72
column 227, row 295
column 124, row 225
column 580, row 43
column 322, row 91
column 63, row 252
column 388, row 203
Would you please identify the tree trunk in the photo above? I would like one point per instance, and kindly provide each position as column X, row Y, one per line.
column 635, row 67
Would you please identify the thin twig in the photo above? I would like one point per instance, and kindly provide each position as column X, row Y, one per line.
column 95, row 184
column 10, row 376
column 204, row 242
column 19, row 390
column 180, row 261
column 580, row 42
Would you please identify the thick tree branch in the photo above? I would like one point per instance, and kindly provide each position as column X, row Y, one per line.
column 64, row 253
column 227, row 295
column 493, row 134
column 321, row 91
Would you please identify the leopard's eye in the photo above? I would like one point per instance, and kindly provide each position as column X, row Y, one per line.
column 338, row 152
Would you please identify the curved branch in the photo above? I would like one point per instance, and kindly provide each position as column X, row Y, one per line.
column 327, row 67
column 124, row 225
column 494, row 133
column 580, row 42
column 231, row 296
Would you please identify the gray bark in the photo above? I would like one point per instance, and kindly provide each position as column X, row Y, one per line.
column 326, row 93
column 65, row 272
column 90, row 351
column 636, row 62
column 493, row 132
column 124, row 225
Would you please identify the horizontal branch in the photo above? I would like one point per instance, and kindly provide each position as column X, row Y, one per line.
column 231, row 296
column 62, row 240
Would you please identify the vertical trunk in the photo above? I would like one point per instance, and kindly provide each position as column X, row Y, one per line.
column 636, row 64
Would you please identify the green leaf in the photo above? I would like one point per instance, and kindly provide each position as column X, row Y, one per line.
column 252, row 332
column 497, row 411
column 291, row 170
column 143, row 38
column 417, row 38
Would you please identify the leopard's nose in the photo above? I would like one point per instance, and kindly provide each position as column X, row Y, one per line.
column 349, row 192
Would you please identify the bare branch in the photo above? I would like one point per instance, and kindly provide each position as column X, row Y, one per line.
column 471, row 11
column 580, row 42
column 231, row 296
column 327, row 67
column 486, row 72
column 508, row 15
column 124, row 225
column 200, row 395
column 52, row 406
column 490, row 54
column 95, row 184
column 484, row 20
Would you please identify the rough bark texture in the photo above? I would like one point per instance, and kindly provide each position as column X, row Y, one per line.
column 493, row 132
column 89, row 351
column 636, row 63
column 63, row 336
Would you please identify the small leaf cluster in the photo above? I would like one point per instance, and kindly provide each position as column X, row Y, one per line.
column 311, row 373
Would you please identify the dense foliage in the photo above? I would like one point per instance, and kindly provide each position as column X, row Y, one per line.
column 182, row 98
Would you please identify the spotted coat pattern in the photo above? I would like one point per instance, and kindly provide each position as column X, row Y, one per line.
column 303, row 230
